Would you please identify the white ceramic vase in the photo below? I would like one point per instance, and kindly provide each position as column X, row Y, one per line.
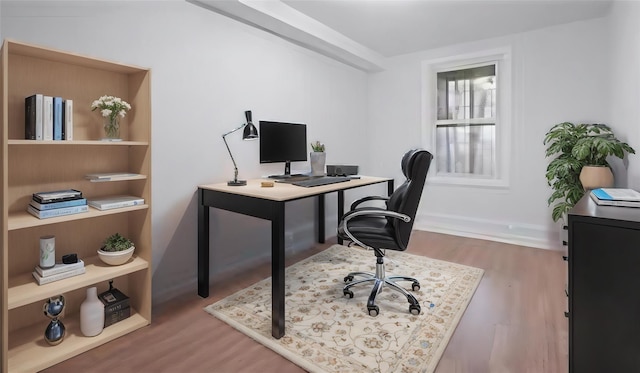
column 91, row 314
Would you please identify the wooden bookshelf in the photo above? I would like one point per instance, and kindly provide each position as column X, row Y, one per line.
column 30, row 166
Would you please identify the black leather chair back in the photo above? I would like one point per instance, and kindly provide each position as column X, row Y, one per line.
column 405, row 199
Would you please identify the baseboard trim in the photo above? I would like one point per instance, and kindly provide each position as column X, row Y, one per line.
column 511, row 233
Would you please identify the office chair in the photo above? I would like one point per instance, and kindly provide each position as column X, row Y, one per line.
column 379, row 229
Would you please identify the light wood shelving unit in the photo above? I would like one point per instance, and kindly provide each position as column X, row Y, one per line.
column 29, row 166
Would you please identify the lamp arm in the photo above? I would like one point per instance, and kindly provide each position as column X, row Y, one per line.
column 234, row 130
column 235, row 167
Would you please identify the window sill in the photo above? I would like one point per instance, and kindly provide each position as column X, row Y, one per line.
column 469, row 182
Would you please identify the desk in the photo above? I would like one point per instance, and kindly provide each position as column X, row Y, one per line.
column 269, row 204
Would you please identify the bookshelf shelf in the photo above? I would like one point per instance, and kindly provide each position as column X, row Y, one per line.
column 30, row 166
column 24, row 290
column 22, row 220
column 74, row 142
column 28, row 352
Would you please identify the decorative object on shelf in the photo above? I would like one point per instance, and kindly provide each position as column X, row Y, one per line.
column 116, row 305
column 250, row 133
column 91, row 314
column 55, row 331
column 580, row 151
column 47, row 251
column 112, row 109
column 116, row 250
column 318, row 158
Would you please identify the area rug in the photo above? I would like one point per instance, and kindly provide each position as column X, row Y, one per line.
column 326, row 331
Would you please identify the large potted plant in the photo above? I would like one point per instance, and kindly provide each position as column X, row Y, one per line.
column 580, row 150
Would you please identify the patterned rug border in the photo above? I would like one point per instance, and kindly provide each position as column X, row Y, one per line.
column 275, row 344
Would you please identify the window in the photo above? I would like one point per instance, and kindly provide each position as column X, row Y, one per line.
column 466, row 119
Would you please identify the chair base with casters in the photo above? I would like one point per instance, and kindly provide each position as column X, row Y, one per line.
column 380, row 280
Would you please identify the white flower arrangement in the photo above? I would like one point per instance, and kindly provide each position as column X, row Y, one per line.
column 111, row 107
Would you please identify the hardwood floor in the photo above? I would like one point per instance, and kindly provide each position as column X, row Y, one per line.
column 514, row 323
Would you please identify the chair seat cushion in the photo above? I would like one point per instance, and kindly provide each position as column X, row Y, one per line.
column 372, row 231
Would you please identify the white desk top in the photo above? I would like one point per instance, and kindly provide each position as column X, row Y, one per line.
column 285, row 191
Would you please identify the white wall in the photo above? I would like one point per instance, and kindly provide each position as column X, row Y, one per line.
column 624, row 80
column 559, row 74
column 206, row 71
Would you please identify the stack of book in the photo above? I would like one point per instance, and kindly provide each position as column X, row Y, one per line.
column 58, row 272
column 616, row 197
column 57, row 203
column 116, row 305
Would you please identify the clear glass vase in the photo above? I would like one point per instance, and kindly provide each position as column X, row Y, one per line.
column 112, row 128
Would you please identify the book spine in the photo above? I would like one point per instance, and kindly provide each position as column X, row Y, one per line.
column 56, row 196
column 57, row 205
column 68, row 120
column 39, row 117
column 30, row 118
column 59, row 268
column 57, row 212
column 116, row 205
column 59, row 276
column 57, row 118
column 47, row 118
column 111, row 318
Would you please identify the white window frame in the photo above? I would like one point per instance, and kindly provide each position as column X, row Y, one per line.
column 430, row 68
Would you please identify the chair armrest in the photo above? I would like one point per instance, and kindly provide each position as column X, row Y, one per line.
column 369, row 212
column 357, row 202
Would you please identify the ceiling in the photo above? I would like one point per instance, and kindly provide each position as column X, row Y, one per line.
column 363, row 33
column 403, row 26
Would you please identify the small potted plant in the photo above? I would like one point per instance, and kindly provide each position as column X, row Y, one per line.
column 318, row 158
column 317, row 146
column 116, row 250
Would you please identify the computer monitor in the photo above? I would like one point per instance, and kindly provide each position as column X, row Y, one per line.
column 283, row 142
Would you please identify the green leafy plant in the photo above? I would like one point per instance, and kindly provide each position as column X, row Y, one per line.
column 317, row 146
column 116, row 242
column 575, row 146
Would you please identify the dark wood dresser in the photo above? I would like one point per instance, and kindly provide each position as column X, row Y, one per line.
column 604, row 288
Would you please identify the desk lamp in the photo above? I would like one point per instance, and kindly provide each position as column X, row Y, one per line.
column 250, row 133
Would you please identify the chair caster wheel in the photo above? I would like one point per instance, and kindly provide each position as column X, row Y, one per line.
column 415, row 286
column 349, row 293
column 373, row 311
column 414, row 310
column 348, row 278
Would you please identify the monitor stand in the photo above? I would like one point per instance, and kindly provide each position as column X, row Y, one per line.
column 287, row 173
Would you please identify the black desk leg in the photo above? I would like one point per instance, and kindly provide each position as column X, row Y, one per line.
column 277, row 270
column 203, row 246
column 321, row 218
column 390, row 187
column 340, row 210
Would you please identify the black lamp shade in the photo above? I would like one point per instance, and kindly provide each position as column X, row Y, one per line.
column 250, row 132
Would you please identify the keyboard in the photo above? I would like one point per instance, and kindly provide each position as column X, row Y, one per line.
column 322, row 180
